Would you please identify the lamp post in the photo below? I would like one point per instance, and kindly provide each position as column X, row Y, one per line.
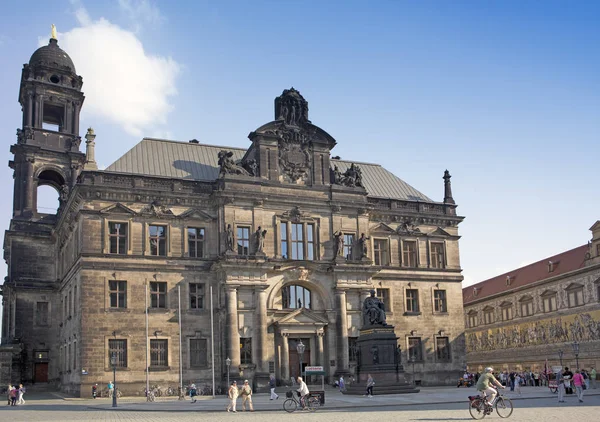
column 576, row 351
column 560, row 355
column 300, row 349
column 228, row 363
column 113, row 362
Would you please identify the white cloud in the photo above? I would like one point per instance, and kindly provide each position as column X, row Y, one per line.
column 122, row 82
column 141, row 12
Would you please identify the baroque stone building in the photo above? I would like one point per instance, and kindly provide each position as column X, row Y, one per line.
column 288, row 239
column 523, row 319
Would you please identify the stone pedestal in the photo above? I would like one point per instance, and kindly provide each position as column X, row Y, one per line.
column 378, row 356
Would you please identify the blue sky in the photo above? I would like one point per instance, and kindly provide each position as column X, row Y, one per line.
column 506, row 95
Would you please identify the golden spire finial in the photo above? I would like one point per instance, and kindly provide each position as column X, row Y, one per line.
column 53, row 32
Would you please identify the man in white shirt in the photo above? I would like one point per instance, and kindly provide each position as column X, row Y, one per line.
column 303, row 390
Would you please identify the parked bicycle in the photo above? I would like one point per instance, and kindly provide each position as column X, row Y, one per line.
column 105, row 393
column 292, row 403
column 479, row 409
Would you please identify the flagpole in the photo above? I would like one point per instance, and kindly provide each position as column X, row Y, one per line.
column 180, row 342
column 147, row 379
column 212, row 340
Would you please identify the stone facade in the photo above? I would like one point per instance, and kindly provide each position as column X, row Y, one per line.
column 522, row 319
column 274, row 232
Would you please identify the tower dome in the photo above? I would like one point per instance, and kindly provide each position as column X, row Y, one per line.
column 52, row 55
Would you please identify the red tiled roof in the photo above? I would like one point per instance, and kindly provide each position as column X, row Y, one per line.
column 562, row 263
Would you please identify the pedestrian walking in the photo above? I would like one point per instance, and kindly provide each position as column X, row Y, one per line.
column 111, row 388
column 20, row 393
column 247, row 396
column 517, row 384
column 578, row 382
column 8, row 390
column 560, row 383
column 193, row 392
column 13, row 395
column 272, row 385
column 342, row 384
column 233, row 395
column 593, row 377
column 370, row 384
column 586, row 379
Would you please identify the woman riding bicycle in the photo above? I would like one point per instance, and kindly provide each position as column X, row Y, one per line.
column 302, row 391
column 485, row 385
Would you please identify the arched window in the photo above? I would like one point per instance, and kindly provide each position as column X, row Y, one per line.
column 47, row 200
column 295, row 297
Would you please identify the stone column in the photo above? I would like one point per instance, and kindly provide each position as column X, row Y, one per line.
column 320, row 349
column 76, row 118
column 90, row 150
column 261, row 332
column 28, row 121
column 342, row 331
column 29, row 186
column 233, row 334
column 285, row 356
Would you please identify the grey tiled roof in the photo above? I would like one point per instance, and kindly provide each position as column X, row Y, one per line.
column 157, row 157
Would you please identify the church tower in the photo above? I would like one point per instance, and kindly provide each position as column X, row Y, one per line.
column 47, row 149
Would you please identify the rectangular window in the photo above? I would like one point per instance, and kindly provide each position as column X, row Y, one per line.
column 575, row 297
column 158, row 240
column 549, row 303
column 488, row 317
column 159, row 353
column 41, row 314
column 75, row 302
column 310, row 242
column 119, row 348
column 380, row 252
column 284, row 240
column 384, row 296
column 158, row 294
column 527, row 308
column 117, row 238
column 442, row 348
column 117, row 293
column 409, row 253
column 437, row 255
column 245, row 350
column 297, row 241
column 74, row 355
column 472, row 320
column 198, row 352
column 243, row 240
column 415, row 349
column 196, row 296
column 348, row 244
column 412, row 300
column 439, row 301
column 195, row 242
column 507, row 314
column 352, row 349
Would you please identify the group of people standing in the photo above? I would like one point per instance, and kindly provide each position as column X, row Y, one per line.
column 234, row 392
column 580, row 381
column 14, row 395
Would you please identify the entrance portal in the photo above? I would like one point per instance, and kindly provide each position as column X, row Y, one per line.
column 295, row 358
column 41, row 372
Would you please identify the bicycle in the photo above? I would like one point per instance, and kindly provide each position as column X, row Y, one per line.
column 291, row 404
column 478, row 408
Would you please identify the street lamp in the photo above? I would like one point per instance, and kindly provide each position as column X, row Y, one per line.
column 228, row 363
column 113, row 362
column 560, row 355
column 576, row 351
column 300, row 349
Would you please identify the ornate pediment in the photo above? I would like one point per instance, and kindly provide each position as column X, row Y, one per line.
column 382, row 228
column 118, row 208
column 196, row 214
column 440, row 232
column 295, row 215
column 302, row 316
column 408, row 227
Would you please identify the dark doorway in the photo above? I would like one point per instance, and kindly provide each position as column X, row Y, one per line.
column 41, row 372
column 295, row 358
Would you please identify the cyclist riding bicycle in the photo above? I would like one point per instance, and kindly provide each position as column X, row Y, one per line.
column 302, row 392
column 485, row 385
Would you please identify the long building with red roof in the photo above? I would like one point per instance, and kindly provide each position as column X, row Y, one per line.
column 523, row 319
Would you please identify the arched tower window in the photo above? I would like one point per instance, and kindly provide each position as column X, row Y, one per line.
column 49, row 184
column 295, row 297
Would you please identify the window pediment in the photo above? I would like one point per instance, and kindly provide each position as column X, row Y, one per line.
column 296, row 215
column 505, row 304
column 574, row 286
column 118, row 208
column 382, row 228
column 526, row 299
column 472, row 313
column 196, row 214
column 548, row 293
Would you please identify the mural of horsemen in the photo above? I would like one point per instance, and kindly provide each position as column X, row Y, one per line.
column 580, row 328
